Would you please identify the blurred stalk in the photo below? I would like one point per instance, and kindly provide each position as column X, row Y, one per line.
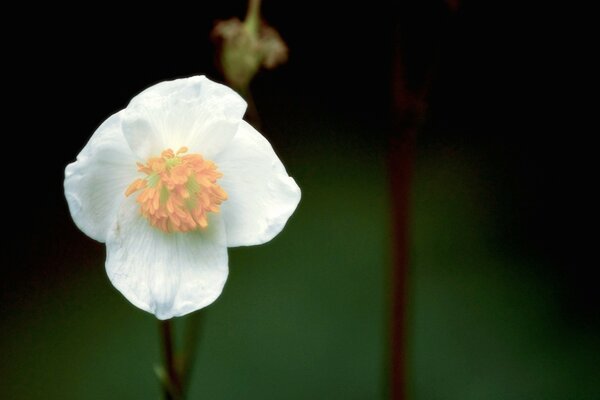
column 401, row 160
column 172, row 390
column 409, row 106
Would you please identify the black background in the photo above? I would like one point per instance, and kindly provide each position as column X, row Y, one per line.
column 502, row 85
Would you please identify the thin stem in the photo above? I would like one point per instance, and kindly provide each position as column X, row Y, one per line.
column 253, row 16
column 190, row 346
column 173, row 391
column 409, row 106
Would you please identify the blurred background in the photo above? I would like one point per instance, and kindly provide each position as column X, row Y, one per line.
column 499, row 297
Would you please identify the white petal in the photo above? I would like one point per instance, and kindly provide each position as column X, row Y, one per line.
column 167, row 274
column 194, row 112
column 261, row 195
column 95, row 184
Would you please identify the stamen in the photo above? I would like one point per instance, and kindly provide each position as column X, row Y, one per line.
column 178, row 191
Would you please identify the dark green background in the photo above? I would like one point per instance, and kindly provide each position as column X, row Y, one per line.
column 501, row 300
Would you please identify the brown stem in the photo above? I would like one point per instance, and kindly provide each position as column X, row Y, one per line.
column 409, row 111
column 173, row 391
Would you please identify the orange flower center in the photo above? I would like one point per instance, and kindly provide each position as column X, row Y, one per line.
column 178, row 191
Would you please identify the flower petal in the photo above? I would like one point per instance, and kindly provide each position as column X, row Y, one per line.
column 194, row 112
column 261, row 195
column 95, row 184
column 167, row 274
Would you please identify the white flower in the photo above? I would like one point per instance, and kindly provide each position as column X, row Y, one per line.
column 169, row 183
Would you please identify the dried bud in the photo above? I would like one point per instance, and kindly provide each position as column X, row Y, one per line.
column 244, row 47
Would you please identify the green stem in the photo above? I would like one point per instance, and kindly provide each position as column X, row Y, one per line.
column 173, row 390
column 252, row 21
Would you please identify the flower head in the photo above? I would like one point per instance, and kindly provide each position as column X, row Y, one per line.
column 168, row 184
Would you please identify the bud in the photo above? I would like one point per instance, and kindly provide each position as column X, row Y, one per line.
column 244, row 47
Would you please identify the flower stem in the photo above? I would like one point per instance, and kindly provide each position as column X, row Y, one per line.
column 173, row 390
column 190, row 345
column 252, row 20
column 409, row 106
